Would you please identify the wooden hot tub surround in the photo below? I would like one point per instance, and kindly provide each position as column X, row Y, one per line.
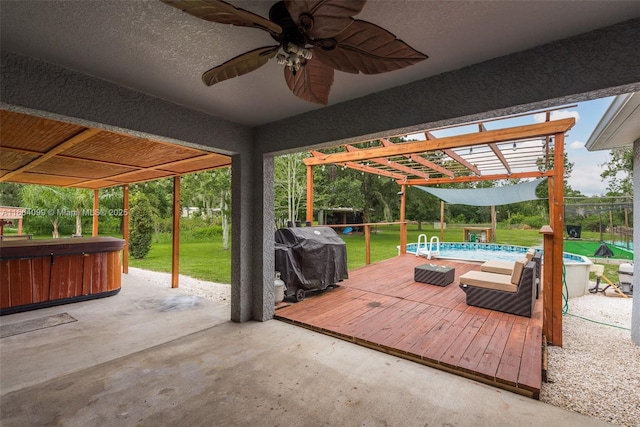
column 42, row 273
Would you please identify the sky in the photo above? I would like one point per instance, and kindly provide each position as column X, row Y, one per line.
column 587, row 165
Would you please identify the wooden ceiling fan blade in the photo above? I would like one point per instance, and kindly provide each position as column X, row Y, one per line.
column 369, row 49
column 222, row 12
column 323, row 18
column 312, row 82
column 241, row 64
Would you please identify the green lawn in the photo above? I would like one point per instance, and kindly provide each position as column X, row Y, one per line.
column 589, row 247
column 205, row 260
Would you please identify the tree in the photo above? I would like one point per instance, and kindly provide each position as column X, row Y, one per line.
column 421, row 206
column 208, row 191
column 111, row 210
column 290, row 177
column 543, row 190
column 141, row 219
column 81, row 201
column 337, row 187
column 221, row 185
column 159, row 194
column 10, row 194
column 56, row 206
column 619, row 171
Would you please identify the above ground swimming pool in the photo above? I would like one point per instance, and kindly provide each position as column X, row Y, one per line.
column 487, row 251
column 577, row 267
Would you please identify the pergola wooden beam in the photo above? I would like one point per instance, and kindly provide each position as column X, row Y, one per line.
column 376, row 171
column 74, row 140
column 455, row 156
column 424, row 162
column 496, row 150
column 472, row 178
column 159, row 168
column 359, row 167
column 491, row 136
column 421, row 160
column 163, row 168
column 393, row 165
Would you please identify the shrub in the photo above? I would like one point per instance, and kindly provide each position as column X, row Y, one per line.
column 535, row 221
column 517, row 219
column 206, row 232
column 142, row 226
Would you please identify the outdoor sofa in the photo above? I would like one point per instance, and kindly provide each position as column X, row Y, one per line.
column 506, row 267
column 514, row 293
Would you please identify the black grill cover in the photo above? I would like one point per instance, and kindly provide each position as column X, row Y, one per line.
column 310, row 258
column 574, row 231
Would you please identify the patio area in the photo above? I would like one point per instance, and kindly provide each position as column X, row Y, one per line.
column 380, row 306
column 140, row 358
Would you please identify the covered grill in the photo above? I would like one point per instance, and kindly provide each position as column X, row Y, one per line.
column 309, row 258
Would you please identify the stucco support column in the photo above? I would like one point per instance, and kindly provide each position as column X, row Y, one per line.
column 635, row 311
column 264, row 303
column 241, row 189
column 252, row 258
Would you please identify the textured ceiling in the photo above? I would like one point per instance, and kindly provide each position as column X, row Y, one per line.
column 158, row 50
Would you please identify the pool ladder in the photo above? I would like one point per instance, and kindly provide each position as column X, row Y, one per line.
column 431, row 250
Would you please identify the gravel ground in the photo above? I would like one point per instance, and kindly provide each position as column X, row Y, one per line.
column 207, row 290
column 596, row 372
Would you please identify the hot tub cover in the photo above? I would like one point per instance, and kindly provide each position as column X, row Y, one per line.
column 310, row 258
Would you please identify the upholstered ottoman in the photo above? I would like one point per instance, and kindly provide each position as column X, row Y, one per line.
column 434, row 274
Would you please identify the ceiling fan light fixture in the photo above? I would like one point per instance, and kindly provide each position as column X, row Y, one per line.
column 292, row 56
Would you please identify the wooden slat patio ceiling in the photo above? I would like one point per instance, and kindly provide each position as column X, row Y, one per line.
column 36, row 150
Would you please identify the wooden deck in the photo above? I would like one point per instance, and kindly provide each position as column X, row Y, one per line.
column 380, row 306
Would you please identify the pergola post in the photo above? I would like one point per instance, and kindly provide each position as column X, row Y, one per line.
column 494, row 221
column 125, row 228
column 309, row 194
column 403, row 223
column 553, row 242
column 546, row 281
column 558, row 236
column 175, row 252
column 442, row 220
column 95, row 215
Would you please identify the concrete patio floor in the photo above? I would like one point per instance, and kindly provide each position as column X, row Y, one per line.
column 159, row 357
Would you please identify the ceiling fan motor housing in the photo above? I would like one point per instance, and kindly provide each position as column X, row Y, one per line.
column 290, row 32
